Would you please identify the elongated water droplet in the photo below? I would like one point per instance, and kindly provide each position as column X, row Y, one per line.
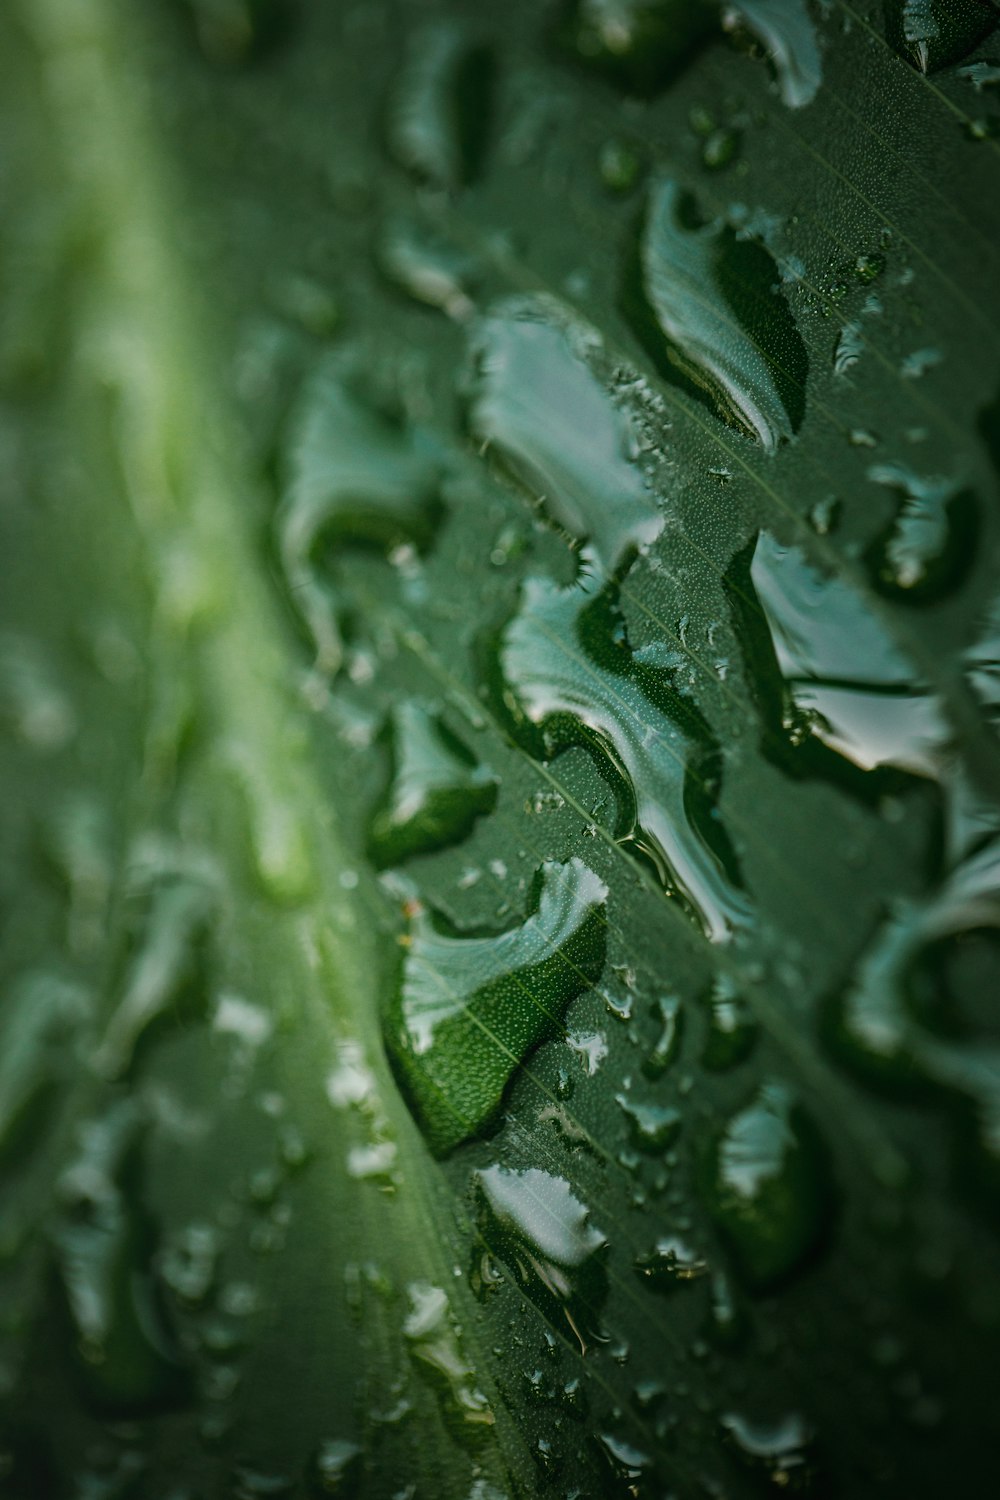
column 671, row 1016
column 732, row 1030
column 350, row 475
column 165, row 973
column 826, row 670
column 433, row 1340
column 440, row 113
column 468, row 1010
column 929, row 545
column 437, row 790
column 104, row 1249
column 703, row 303
column 535, row 1223
column 535, row 400
column 769, row 1186
column 428, row 269
column 570, row 677
column 639, row 44
column 785, row 30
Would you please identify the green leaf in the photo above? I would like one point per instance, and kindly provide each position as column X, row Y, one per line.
column 498, row 714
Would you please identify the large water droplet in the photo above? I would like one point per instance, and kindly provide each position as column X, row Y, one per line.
column 535, row 400
column 780, row 1452
column 432, row 1335
column 440, row 112
column 570, row 677
column 785, row 30
column 468, row 1010
column 703, row 302
column 769, row 1186
column 826, row 669
column 437, row 790
column 351, row 474
column 535, row 1223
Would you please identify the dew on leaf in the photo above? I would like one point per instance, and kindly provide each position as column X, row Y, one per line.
column 652, row 1127
column 537, row 404
column 32, row 701
column 535, row 1223
column 104, row 1252
column 850, row 347
column 768, row 1186
column 468, row 1009
column 165, row 975
column 670, row 1262
column 436, row 792
column 232, row 33
column 432, row 1336
column 703, row 303
column 732, row 1030
column 428, row 269
column 670, row 1015
column 827, row 671
column 570, row 677
column 42, row 1012
column 350, row 474
column 913, row 1018
column 930, row 543
column 933, row 34
column 440, row 112
column 336, row 1468
column 590, row 1047
column 620, row 166
column 781, row 1452
column 785, row 30
column 639, row 44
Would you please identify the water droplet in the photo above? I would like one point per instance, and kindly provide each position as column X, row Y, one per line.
column 670, row 1261
column 732, row 1030
column 785, row 30
column 850, row 347
column 428, row 269
column 627, row 1461
column 104, row 1250
column 336, row 1468
column 916, row 1016
column 440, row 114
column 620, row 166
column 828, row 671
column 703, row 303
column 652, row 1126
column 981, row 75
column 929, row 545
column 769, row 1186
column 932, row 34
column 468, row 1010
column 638, row 44
column 351, row 475
column 165, row 977
column 432, row 1336
column 570, row 677
column 31, row 699
column 234, row 32
column 40, row 1016
column 548, row 417
column 780, row 1451
column 671, row 1017
column 437, row 790
column 535, row 1224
